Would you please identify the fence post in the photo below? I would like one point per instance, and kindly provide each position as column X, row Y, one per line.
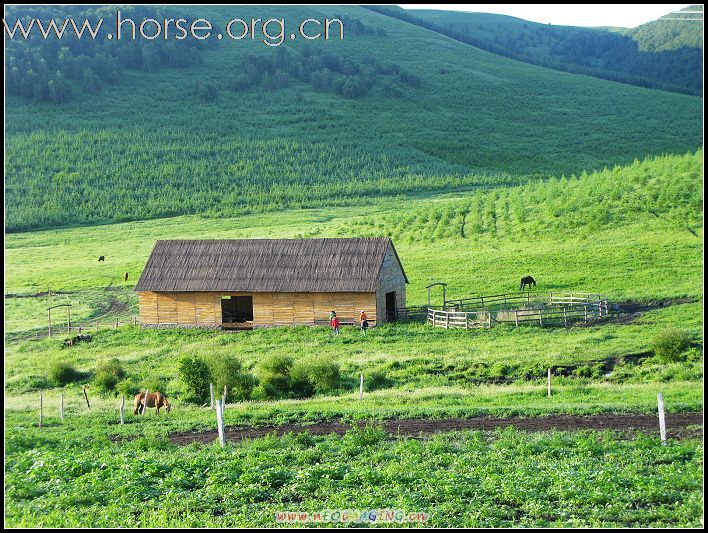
column 61, row 406
column 41, row 409
column 220, row 422
column 211, row 396
column 586, row 312
column 122, row 409
column 361, row 386
column 223, row 401
column 489, row 320
column 565, row 316
column 467, row 321
column 447, row 320
column 549, row 382
column 86, row 397
column 516, row 317
column 145, row 405
column 662, row 420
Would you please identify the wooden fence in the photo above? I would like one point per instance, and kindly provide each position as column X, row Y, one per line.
column 459, row 319
column 556, row 309
column 78, row 329
column 515, row 299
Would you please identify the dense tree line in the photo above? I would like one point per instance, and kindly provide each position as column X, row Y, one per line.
column 615, row 56
column 55, row 70
column 324, row 71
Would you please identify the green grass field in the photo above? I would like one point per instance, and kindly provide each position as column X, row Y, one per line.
column 541, row 228
column 467, row 479
column 491, row 170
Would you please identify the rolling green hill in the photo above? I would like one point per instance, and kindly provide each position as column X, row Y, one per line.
column 393, row 109
column 665, row 54
column 669, row 33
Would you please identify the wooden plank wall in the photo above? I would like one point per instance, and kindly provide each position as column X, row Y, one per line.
column 147, row 302
column 269, row 309
column 187, row 308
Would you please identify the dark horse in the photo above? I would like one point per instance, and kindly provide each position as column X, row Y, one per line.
column 102, row 258
column 527, row 280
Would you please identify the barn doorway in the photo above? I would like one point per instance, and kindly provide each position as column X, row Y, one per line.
column 391, row 310
column 237, row 312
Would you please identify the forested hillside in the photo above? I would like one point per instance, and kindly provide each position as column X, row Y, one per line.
column 241, row 127
column 671, row 32
column 664, row 54
column 49, row 70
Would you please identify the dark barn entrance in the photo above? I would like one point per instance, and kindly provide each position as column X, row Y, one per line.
column 391, row 310
column 236, row 311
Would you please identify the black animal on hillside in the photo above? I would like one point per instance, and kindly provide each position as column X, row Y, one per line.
column 527, row 280
column 72, row 341
column 102, row 258
column 125, row 278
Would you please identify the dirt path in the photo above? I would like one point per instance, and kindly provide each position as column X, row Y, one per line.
column 676, row 424
column 631, row 310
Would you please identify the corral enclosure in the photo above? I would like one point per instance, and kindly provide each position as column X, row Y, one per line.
column 520, row 308
column 245, row 283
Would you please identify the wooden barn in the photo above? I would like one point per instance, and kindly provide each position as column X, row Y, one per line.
column 244, row 283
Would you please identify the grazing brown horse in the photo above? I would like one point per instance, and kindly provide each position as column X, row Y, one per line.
column 527, row 280
column 154, row 399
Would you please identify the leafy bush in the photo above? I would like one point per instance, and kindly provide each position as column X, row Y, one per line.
column 670, row 344
column 128, row 387
column 155, row 384
column 228, row 371
column 310, row 375
column 274, row 377
column 376, row 380
column 584, row 371
column 276, row 364
column 273, row 386
column 196, row 375
column 108, row 374
column 63, row 373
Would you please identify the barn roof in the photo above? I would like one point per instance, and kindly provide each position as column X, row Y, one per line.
column 265, row 265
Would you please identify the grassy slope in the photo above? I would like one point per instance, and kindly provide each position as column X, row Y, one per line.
column 626, row 257
column 477, row 116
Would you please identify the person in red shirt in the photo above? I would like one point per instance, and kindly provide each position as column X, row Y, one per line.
column 364, row 322
column 335, row 324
